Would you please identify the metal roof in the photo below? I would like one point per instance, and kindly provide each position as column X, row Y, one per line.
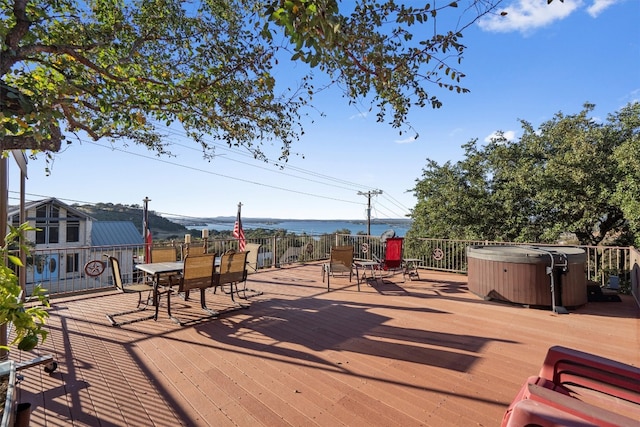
column 106, row 233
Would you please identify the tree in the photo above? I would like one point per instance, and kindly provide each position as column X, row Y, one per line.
column 574, row 177
column 571, row 174
column 626, row 127
column 120, row 69
column 445, row 192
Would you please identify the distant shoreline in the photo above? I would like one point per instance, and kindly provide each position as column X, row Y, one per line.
column 230, row 219
column 320, row 226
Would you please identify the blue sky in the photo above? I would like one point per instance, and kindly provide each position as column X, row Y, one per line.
column 538, row 60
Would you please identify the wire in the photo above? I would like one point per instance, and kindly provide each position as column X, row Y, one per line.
column 222, row 175
column 331, row 181
column 275, row 163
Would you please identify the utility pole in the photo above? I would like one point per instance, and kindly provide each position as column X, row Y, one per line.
column 369, row 194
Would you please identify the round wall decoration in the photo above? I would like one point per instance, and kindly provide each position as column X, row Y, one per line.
column 438, row 254
column 94, row 268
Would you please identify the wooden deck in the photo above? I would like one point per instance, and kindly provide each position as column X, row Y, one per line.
column 420, row 353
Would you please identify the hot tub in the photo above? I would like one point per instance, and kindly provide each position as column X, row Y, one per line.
column 518, row 274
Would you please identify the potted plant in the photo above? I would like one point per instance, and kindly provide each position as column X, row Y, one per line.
column 7, row 392
column 27, row 321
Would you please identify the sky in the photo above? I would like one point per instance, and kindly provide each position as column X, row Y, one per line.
column 536, row 61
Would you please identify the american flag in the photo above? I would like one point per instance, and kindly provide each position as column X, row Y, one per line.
column 238, row 232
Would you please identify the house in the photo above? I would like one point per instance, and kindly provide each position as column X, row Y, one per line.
column 58, row 223
column 61, row 233
column 119, row 238
column 67, row 246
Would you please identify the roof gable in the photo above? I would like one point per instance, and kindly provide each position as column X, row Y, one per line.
column 15, row 210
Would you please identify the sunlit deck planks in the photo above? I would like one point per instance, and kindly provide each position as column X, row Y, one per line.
column 425, row 352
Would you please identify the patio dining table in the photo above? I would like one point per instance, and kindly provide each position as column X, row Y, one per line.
column 157, row 269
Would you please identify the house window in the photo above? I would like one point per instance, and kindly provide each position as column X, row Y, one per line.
column 72, row 263
column 73, row 228
column 48, row 224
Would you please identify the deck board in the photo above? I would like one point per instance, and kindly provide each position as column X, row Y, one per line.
column 417, row 353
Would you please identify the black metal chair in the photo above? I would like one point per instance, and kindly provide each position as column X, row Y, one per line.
column 138, row 288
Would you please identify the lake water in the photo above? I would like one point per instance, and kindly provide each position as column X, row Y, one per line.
column 313, row 226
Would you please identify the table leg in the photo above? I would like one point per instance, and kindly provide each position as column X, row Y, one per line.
column 410, row 269
column 156, row 293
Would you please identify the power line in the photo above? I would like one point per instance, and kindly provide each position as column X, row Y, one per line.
column 332, row 181
column 387, row 196
column 222, row 175
column 275, row 163
column 394, row 201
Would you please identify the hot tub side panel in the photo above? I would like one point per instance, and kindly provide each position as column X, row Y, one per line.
column 574, row 285
column 520, row 283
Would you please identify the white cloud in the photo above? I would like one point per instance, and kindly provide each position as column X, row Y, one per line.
column 456, row 131
column 634, row 96
column 359, row 116
column 405, row 141
column 527, row 15
column 508, row 135
column 599, row 5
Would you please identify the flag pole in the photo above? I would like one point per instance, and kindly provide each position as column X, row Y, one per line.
column 145, row 230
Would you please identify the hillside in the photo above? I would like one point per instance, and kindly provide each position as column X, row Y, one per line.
column 161, row 228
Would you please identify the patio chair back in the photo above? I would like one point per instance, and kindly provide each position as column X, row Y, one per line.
column 198, row 272
column 167, row 254
column 393, row 253
column 116, row 273
column 252, row 257
column 341, row 259
column 233, row 268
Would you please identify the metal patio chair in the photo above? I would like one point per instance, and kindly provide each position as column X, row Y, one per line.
column 340, row 261
column 232, row 271
column 197, row 274
column 138, row 288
